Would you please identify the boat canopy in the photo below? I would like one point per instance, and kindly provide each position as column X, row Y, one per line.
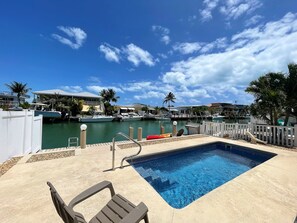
column 39, row 104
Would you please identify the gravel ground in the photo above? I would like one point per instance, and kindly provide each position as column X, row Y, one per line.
column 4, row 167
column 50, row 156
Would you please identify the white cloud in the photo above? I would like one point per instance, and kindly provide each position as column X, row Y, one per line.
column 163, row 32
column 210, row 5
column 253, row 20
column 140, row 86
column 97, row 88
column 136, row 55
column 192, row 18
column 188, row 48
column 77, row 35
column 251, row 53
column 131, row 52
column 94, row 79
column 150, row 94
column 176, row 78
column 231, row 9
column 235, row 8
column 162, row 55
column 74, row 89
column 111, row 53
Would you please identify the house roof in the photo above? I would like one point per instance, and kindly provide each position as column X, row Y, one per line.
column 64, row 93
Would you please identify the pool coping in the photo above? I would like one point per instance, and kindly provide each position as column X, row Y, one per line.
column 266, row 193
column 196, row 204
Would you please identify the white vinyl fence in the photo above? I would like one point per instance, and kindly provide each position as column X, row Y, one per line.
column 276, row 135
column 20, row 133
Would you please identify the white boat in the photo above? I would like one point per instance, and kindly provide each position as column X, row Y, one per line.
column 48, row 114
column 131, row 116
column 217, row 118
column 162, row 118
column 193, row 128
column 96, row 118
column 42, row 109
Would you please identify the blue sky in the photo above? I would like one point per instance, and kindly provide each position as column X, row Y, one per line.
column 202, row 51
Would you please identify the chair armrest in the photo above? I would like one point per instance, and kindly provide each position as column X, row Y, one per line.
column 136, row 215
column 91, row 191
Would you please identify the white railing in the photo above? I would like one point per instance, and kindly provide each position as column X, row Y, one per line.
column 20, row 133
column 276, row 135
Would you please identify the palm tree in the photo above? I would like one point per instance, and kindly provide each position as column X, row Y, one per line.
column 270, row 97
column 291, row 92
column 19, row 88
column 108, row 95
column 169, row 98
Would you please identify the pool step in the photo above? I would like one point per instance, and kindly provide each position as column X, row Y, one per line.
column 154, row 178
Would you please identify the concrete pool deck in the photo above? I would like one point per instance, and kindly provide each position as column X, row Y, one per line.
column 266, row 193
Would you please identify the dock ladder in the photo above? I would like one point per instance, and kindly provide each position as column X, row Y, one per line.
column 112, row 148
column 72, row 141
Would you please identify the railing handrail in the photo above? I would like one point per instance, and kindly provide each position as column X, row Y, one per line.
column 126, row 157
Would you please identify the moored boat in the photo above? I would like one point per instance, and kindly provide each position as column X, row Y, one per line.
column 96, row 118
column 131, row 116
column 193, row 128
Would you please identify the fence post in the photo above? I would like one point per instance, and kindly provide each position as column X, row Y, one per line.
column 222, row 129
column 24, row 132
column 202, row 127
column 236, row 130
column 295, row 135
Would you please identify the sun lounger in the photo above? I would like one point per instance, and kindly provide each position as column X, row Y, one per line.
column 254, row 139
column 118, row 209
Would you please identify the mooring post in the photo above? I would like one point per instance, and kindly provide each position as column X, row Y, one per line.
column 131, row 133
column 83, row 136
column 139, row 135
column 174, row 131
column 162, row 131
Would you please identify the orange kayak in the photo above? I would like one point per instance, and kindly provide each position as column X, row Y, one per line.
column 162, row 136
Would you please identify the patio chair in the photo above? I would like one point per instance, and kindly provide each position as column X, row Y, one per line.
column 118, row 209
column 254, row 140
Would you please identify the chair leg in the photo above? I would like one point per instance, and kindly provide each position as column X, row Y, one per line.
column 146, row 220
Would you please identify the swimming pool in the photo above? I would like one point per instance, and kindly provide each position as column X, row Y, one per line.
column 182, row 176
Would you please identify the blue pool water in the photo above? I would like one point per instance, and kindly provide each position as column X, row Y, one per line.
column 183, row 176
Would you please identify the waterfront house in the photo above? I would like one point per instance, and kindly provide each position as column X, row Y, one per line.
column 88, row 98
column 9, row 99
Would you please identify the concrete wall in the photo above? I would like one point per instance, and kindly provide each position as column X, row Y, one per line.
column 20, row 133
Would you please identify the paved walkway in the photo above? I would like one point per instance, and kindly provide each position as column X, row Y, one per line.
column 267, row 193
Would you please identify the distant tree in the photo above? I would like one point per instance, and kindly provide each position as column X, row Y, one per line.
column 169, row 98
column 269, row 93
column 76, row 106
column 108, row 95
column 91, row 110
column 201, row 110
column 25, row 105
column 144, row 108
column 20, row 89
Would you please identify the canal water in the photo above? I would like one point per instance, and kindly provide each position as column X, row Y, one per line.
column 55, row 135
